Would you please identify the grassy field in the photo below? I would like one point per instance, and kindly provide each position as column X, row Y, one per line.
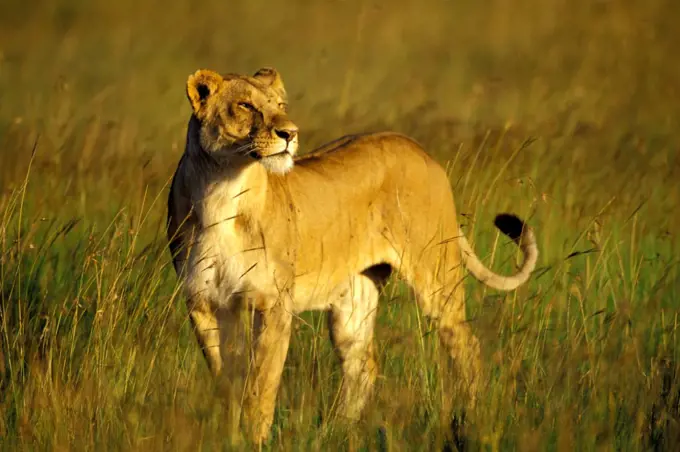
column 566, row 112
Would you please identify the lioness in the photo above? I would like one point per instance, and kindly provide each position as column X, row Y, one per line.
column 258, row 236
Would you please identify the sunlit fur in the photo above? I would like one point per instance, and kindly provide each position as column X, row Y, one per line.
column 252, row 234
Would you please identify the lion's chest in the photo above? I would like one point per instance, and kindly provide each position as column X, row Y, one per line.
column 229, row 254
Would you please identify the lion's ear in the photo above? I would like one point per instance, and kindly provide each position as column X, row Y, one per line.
column 200, row 86
column 271, row 77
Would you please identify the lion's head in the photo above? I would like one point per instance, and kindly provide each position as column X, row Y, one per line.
column 244, row 117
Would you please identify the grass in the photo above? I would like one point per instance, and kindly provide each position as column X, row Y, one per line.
column 564, row 112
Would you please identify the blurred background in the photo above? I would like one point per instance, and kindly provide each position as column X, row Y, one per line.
column 564, row 111
column 102, row 83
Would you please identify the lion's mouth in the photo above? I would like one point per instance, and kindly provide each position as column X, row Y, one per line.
column 257, row 156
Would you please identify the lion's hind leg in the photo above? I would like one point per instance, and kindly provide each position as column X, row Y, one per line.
column 439, row 290
column 351, row 323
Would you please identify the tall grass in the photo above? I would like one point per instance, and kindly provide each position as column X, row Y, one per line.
column 564, row 112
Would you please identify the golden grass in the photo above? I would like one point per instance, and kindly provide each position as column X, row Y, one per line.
column 95, row 348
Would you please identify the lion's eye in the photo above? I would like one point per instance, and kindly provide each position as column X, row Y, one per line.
column 283, row 106
column 246, row 106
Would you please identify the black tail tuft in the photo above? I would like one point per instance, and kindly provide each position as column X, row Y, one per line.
column 510, row 225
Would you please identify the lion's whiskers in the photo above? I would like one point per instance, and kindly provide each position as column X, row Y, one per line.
column 244, row 149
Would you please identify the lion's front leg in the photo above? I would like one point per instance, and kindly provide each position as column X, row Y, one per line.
column 271, row 336
column 204, row 322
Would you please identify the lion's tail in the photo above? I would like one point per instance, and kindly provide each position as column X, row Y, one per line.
column 522, row 235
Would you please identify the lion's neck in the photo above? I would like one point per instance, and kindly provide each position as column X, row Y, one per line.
column 223, row 193
column 237, row 193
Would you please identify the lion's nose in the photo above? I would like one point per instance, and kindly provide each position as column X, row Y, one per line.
column 287, row 133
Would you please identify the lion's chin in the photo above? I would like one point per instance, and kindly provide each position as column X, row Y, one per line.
column 279, row 163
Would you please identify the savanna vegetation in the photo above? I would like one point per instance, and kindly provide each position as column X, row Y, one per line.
column 566, row 112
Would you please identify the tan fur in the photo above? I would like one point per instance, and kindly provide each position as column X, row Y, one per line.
column 255, row 241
